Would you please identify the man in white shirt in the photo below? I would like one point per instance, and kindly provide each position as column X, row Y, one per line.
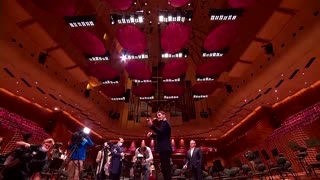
column 194, row 161
column 144, row 154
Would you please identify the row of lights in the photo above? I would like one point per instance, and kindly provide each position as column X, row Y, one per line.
column 172, row 80
column 110, row 82
column 205, row 79
column 146, row 98
column 212, row 54
column 142, row 81
column 171, row 97
column 98, row 58
column 177, row 16
column 177, row 55
column 127, row 18
column 118, row 99
column 80, row 21
column 200, row 96
column 140, row 56
column 225, row 14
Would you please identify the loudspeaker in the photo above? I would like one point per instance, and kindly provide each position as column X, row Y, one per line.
column 265, row 154
column 49, row 127
column 42, row 58
column 275, row 152
column 217, row 164
column 127, row 96
column 87, row 93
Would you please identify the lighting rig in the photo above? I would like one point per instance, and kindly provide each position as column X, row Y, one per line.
column 200, row 96
column 215, row 53
column 171, row 97
column 182, row 54
column 80, row 21
column 175, row 16
column 104, row 57
column 127, row 18
column 146, row 98
column 225, row 14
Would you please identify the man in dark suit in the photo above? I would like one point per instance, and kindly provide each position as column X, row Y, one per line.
column 116, row 160
column 194, row 161
column 162, row 136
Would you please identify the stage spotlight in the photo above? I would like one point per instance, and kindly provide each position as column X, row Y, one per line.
column 86, row 130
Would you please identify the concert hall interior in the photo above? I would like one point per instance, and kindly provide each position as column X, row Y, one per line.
column 240, row 77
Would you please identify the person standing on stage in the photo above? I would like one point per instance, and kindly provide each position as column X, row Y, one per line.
column 162, row 136
column 117, row 156
column 194, row 161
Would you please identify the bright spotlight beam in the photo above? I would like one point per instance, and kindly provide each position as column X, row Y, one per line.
column 86, row 130
column 123, row 57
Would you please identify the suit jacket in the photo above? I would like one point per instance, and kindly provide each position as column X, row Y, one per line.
column 196, row 159
column 162, row 136
column 116, row 160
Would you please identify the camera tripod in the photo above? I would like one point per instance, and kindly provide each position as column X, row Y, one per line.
column 74, row 148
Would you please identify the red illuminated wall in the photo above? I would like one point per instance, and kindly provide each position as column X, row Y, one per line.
column 299, row 127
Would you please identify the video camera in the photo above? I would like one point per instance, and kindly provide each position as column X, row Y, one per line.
column 137, row 166
column 77, row 137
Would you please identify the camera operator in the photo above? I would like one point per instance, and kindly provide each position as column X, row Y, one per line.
column 143, row 159
column 77, row 147
column 102, row 161
column 29, row 161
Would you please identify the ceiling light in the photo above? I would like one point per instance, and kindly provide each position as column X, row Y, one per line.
column 32, row 98
column 175, row 16
column 123, row 58
column 205, row 79
column 149, row 12
column 142, row 81
column 36, row 82
column 150, row 22
column 245, row 100
column 130, row 57
column 80, row 21
column 104, row 57
column 231, row 124
column 110, row 82
column 259, row 90
column 200, row 96
column 17, row 91
column 182, row 54
column 118, row 99
column 275, row 90
column 126, row 18
column 146, row 98
column 306, row 82
column 214, row 54
column 17, row 82
column 225, row 14
column 277, row 98
column 56, row 109
column 45, row 97
column 302, row 73
column 172, row 80
column 189, row 4
column 145, row 3
column 171, row 97
column 282, row 75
